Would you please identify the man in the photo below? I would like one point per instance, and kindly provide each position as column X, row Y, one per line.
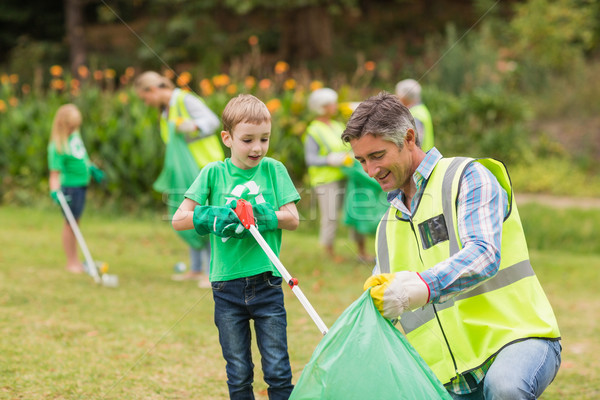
column 409, row 93
column 452, row 262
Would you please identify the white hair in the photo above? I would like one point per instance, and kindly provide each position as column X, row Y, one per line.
column 321, row 98
column 409, row 89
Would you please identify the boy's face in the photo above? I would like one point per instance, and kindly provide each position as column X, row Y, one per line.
column 248, row 143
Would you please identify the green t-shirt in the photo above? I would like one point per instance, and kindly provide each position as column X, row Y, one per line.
column 73, row 162
column 220, row 183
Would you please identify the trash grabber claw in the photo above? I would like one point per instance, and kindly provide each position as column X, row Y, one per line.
column 244, row 212
column 106, row 280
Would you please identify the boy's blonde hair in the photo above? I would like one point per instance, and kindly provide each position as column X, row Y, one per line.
column 66, row 121
column 244, row 108
column 150, row 79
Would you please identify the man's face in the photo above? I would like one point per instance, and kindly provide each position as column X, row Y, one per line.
column 383, row 160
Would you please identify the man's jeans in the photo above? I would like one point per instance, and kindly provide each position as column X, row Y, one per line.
column 238, row 301
column 520, row 371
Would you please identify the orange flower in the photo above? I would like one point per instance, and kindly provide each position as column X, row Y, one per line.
column 206, row 87
column 231, row 89
column 110, row 73
column 370, row 65
column 75, row 83
column 264, row 84
column 169, row 73
column 98, row 75
column 184, row 78
column 56, row 70
column 83, row 71
column 253, row 40
column 26, row 88
column 289, row 84
column 249, row 82
column 13, row 101
column 221, row 80
column 314, row 85
column 129, row 72
column 2, row 106
column 4, row 79
column 13, row 78
column 273, row 105
column 281, row 67
column 57, row 84
column 75, row 91
column 124, row 79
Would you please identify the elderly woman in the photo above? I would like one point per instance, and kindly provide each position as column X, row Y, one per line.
column 325, row 155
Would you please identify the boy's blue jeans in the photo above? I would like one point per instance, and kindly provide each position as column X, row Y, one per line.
column 260, row 298
column 522, row 370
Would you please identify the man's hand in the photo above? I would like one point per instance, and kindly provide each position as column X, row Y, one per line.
column 396, row 293
column 266, row 219
column 220, row 221
column 186, row 126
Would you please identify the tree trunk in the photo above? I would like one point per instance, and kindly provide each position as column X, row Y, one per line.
column 306, row 34
column 75, row 34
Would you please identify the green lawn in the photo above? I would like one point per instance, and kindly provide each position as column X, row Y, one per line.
column 63, row 337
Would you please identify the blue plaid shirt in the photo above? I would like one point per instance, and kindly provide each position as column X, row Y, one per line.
column 482, row 205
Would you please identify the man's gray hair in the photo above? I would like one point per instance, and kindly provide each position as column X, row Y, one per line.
column 381, row 115
column 409, row 89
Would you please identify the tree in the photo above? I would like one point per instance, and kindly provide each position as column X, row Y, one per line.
column 74, row 27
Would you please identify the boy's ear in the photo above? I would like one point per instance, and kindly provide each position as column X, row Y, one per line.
column 226, row 138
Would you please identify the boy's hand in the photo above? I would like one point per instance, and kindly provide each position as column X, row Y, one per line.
column 266, row 219
column 97, row 174
column 220, row 221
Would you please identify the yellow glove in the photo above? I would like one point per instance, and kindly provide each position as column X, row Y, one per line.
column 396, row 293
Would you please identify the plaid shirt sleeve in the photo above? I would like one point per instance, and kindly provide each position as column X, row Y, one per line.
column 482, row 203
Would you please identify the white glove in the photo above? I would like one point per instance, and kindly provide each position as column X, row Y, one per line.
column 336, row 159
column 187, row 126
column 396, row 293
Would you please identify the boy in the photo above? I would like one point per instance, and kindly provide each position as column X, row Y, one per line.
column 244, row 282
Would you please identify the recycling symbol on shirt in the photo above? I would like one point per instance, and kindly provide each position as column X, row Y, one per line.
column 77, row 148
column 251, row 188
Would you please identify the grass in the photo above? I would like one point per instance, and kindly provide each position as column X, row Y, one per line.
column 63, row 337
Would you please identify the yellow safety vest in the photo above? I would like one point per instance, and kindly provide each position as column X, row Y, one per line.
column 463, row 333
column 328, row 137
column 421, row 113
column 204, row 149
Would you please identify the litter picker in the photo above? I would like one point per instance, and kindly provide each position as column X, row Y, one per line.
column 244, row 212
column 103, row 279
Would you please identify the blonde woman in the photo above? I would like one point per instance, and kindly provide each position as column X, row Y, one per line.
column 185, row 114
column 70, row 172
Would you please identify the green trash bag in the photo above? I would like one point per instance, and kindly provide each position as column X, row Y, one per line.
column 363, row 356
column 178, row 173
column 364, row 202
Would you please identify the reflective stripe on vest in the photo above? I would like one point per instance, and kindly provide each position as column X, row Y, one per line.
column 204, row 149
column 421, row 113
column 328, row 137
column 460, row 334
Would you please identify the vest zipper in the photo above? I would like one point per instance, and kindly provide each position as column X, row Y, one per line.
column 412, row 227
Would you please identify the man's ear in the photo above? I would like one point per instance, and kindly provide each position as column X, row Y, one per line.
column 226, row 138
column 410, row 138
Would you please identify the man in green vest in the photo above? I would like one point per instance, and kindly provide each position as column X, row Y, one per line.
column 409, row 93
column 452, row 262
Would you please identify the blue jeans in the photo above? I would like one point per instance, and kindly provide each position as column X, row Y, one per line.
column 522, row 370
column 260, row 298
